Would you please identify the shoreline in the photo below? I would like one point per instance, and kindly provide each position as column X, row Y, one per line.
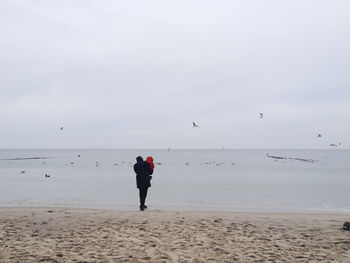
column 53, row 234
column 174, row 209
column 183, row 208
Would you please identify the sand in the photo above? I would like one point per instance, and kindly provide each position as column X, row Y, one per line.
column 85, row 235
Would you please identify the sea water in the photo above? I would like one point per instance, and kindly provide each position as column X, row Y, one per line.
column 221, row 180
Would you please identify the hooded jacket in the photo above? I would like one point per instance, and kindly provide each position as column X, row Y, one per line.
column 143, row 172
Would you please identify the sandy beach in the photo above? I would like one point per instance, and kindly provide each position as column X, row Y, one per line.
column 85, row 235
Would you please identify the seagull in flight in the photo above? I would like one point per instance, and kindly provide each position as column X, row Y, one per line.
column 261, row 115
column 319, row 135
column 194, row 125
column 61, row 128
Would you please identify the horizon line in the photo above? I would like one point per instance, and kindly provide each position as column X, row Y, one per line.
column 166, row 149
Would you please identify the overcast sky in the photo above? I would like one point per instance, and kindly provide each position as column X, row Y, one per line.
column 135, row 74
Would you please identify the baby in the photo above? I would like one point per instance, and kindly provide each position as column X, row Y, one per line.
column 149, row 160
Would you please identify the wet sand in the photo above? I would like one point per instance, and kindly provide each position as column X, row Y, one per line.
column 85, row 235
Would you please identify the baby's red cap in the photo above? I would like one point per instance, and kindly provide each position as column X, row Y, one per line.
column 149, row 159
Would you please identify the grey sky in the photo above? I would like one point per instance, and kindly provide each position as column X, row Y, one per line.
column 135, row 74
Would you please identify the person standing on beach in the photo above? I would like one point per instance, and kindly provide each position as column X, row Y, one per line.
column 143, row 172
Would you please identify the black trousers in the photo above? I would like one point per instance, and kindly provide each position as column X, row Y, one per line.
column 143, row 195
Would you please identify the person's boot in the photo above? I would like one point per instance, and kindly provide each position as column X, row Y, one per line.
column 142, row 208
column 145, row 206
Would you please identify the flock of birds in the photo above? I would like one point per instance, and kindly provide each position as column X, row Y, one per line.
column 97, row 164
column 195, row 125
column 261, row 116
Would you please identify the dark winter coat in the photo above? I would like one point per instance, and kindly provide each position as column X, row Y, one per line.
column 143, row 172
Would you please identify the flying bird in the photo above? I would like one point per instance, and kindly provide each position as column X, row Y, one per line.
column 61, row 128
column 319, row 135
column 261, row 115
column 194, row 125
column 333, row 145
